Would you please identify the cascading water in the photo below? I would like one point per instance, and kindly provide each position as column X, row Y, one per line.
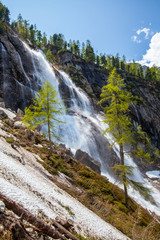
column 79, row 131
column 27, row 78
column 83, row 126
column 4, row 56
column 10, row 86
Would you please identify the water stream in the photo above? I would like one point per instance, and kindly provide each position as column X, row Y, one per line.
column 4, row 58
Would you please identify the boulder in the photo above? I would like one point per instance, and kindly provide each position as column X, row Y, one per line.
column 3, row 115
column 19, row 124
column 84, row 158
column 30, row 135
column 19, row 114
column 9, row 122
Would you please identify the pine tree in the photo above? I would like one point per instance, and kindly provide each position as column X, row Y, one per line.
column 120, row 126
column 89, row 52
column 44, row 40
column 83, row 50
column 44, row 111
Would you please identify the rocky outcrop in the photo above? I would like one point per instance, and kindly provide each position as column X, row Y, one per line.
column 146, row 112
column 91, row 76
column 17, row 81
column 84, row 158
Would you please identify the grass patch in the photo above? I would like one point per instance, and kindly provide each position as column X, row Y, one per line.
column 95, row 192
column 9, row 140
column 68, row 209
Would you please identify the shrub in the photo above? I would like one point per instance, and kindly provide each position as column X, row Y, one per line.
column 9, row 140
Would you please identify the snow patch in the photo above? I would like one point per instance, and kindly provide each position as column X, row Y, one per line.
column 153, row 174
column 29, row 185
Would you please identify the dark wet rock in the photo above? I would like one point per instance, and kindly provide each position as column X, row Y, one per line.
column 16, row 72
column 3, row 115
column 84, row 158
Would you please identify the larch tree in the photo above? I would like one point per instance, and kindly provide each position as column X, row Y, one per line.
column 45, row 111
column 116, row 101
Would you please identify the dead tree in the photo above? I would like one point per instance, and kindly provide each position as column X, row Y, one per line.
column 43, row 227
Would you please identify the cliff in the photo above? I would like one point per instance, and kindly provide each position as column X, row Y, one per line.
column 92, row 77
column 18, row 78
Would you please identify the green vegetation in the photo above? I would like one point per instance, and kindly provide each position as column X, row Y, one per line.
column 67, row 209
column 9, row 140
column 4, row 17
column 117, row 101
column 4, row 13
column 37, row 39
column 92, row 189
column 45, row 110
column 76, row 76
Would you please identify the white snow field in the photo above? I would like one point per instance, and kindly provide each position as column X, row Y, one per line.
column 27, row 183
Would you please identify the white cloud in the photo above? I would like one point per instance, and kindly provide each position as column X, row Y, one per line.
column 141, row 34
column 152, row 55
column 135, row 39
column 146, row 31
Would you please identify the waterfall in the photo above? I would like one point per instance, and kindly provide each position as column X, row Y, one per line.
column 25, row 74
column 79, row 100
column 10, row 86
column 83, row 125
column 137, row 115
column 4, row 60
column 79, row 130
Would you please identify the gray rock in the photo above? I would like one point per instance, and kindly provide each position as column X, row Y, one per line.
column 30, row 135
column 84, row 158
column 19, row 124
column 9, row 122
column 3, row 115
column 19, row 114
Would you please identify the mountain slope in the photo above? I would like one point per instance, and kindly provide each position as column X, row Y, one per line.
column 28, row 183
column 22, row 72
column 24, row 179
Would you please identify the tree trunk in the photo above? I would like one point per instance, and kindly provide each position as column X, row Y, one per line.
column 49, row 136
column 29, row 217
column 124, row 175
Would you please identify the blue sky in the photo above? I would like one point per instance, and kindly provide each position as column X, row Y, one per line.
column 113, row 26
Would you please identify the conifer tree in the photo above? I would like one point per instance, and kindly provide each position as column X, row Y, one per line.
column 89, row 52
column 120, row 126
column 44, row 40
column 44, row 111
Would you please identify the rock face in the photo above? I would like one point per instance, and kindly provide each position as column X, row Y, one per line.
column 91, row 77
column 17, row 81
column 3, row 114
column 146, row 113
column 84, row 158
